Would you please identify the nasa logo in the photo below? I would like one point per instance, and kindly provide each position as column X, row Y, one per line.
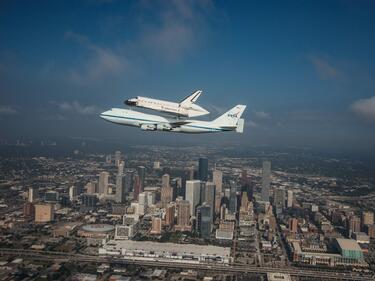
column 233, row 115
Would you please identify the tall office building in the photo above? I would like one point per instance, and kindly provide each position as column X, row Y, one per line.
column 233, row 197
column 156, row 226
column 142, row 203
column 43, row 213
column 165, row 180
column 90, row 187
column 193, row 190
column 367, row 218
column 28, row 209
column 32, row 195
column 120, row 195
column 279, row 200
column 204, row 220
column 203, row 169
column 166, row 195
column 169, row 215
column 117, row 157
column 209, row 195
column 293, row 225
column 166, row 190
column 121, row 167
column 141, row 170
column 217, row 178
column 177, row 189
column 244, row 202
column 137, row 187
column 266, row 179
column 51, row 196
column 183, row 215
column 353, row 225
column 73, row 193
column 89, row 201
column 103, row 182
column 290, row 199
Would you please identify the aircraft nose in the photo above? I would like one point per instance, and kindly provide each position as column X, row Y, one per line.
column 105, row 114
column 131, row 102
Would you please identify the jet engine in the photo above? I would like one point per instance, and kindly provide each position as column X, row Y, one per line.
column 163, row 127
column 148, row 127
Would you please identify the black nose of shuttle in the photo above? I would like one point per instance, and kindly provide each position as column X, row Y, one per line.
column 130, row 102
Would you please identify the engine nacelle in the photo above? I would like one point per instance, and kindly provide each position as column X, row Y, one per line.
column 163, row 127
column 148, row 127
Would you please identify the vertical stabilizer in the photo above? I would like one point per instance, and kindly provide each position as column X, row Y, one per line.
column 231, row 117
column 188, row 101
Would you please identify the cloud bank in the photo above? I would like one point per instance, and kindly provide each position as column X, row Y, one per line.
column 365, row 108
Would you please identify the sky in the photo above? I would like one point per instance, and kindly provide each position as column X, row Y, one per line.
column 305, row 69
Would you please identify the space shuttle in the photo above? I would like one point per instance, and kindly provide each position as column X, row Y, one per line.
column 185, row 108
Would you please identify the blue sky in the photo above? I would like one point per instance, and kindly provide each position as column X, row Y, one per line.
column 305, row 69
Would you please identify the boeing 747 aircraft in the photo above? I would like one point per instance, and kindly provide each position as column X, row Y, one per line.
column 186, row 108
column 229, row 121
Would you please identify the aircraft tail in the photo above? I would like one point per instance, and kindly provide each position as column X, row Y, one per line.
column 231, row 117
column 188, row 101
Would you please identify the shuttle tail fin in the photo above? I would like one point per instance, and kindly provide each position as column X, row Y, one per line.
column 188, row 101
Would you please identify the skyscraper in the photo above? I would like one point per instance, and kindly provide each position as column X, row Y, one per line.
column 266, row 178
column 290, row 199
column 217, row 178
column 203, row 169
column 169, row 215
column 165, row 179
column 279, row 200
column 72, row 193
column 183, row 215
column 121, row 168
column 293, row 225
column 156, row 226
column 103, row 182
column 353, row 225
column 142, row 203
column 120, row 195
column 193, row 190
column 367, row 218
column 204, row 220
column 32, row 195
column 233, row 197
column 141, row 170
column 117, row 157
column 209, row 195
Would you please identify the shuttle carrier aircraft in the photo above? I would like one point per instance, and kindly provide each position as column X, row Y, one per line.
column 229, row 121
column 186, row 108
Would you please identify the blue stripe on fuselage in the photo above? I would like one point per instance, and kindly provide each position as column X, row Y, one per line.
column 139, row 119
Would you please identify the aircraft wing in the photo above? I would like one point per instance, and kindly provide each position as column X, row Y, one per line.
column 179, row 123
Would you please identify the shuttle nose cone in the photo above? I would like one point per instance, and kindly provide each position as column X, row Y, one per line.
column 131, row 102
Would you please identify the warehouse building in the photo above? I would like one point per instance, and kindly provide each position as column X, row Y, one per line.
column 160, row 251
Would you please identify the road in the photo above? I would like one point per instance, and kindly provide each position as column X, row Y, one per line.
column 68, row 257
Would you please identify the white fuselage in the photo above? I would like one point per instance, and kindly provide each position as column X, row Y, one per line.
column 174, row 108
column 152, row 122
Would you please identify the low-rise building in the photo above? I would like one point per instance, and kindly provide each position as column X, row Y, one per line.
column 146, row 250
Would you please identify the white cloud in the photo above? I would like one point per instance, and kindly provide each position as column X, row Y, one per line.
column 365, row 108
column 323, row 67
column 179, row 26
column 102, row 62
column 261, row 114
column 7, row 110
column 252, row 124
column 77, row 108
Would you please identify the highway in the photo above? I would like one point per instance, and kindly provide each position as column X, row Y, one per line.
column 68, row 257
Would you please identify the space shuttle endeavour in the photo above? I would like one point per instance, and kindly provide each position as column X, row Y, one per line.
column 185, row 108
